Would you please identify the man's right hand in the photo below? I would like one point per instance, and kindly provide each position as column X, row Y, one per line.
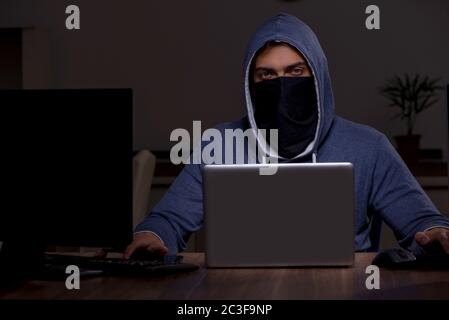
column 145, row 241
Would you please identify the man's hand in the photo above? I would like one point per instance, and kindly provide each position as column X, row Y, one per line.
column 145, row 241
column 432, row 236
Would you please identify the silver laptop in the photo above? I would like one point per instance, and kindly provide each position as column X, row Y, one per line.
column 303, row 215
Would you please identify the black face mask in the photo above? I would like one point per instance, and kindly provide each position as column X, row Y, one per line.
column 288, row 104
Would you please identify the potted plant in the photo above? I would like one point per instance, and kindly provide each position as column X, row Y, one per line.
column 411, row 95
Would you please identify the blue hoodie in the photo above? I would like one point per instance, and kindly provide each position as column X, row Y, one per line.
column 385, row 189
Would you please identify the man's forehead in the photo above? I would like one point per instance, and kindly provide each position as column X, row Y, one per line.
column 279, row 56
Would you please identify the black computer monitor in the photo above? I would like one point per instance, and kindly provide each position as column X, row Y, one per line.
column 66, row 168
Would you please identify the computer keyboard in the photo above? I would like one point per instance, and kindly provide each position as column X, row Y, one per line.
column 118, row 266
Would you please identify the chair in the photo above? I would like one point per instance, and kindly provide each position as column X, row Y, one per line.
column 144, row 163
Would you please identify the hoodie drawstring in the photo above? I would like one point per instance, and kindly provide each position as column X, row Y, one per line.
column 314, row 157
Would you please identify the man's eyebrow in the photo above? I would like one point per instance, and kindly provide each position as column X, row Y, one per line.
column 264, row 69
column 296, row 64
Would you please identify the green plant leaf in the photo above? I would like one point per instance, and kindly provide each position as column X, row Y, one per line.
column 429, row 104
column 396, row 116
column 411, row 94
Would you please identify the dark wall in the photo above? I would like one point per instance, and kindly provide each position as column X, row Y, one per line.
column 184, row 58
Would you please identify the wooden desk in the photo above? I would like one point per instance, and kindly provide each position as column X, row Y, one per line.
column 292, row 283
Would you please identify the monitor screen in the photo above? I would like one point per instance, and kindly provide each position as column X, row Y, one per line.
column 66, row 167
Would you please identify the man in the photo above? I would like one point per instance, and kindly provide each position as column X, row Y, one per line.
column 288, row 87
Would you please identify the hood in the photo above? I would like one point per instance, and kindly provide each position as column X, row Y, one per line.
column 287, row 28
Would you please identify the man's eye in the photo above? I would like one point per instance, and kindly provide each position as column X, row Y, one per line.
column 297, row 71
column 266, row 74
